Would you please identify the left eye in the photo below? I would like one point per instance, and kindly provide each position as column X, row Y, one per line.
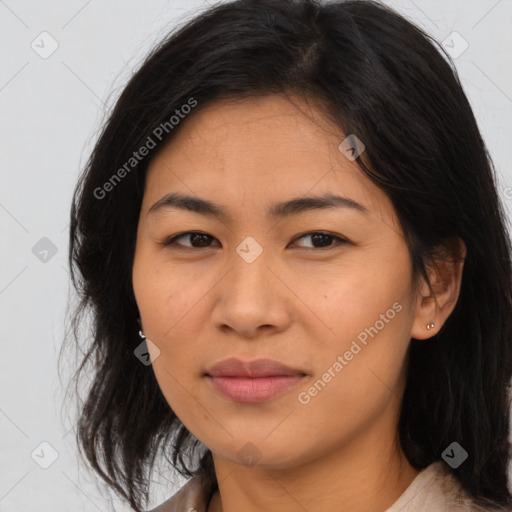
column 324, row 240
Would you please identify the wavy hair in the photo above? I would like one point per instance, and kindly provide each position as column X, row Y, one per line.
column 377, row 76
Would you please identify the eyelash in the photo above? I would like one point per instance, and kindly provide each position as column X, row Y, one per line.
column 172, row 241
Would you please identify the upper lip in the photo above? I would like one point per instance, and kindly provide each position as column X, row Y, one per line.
column 234, row 367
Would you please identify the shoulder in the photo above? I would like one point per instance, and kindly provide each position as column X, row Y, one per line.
column 191, row 497
column 437, row 489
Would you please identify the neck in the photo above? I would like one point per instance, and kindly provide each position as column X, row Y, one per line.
column 366, row 477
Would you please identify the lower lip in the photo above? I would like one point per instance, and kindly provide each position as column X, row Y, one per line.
column 254, row 389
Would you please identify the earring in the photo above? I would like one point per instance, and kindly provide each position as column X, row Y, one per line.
column 142, row 335
column 430, row 326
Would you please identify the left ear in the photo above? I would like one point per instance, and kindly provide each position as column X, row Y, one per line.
column 435, row 303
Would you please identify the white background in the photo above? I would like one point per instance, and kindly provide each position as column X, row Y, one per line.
column 51, row 110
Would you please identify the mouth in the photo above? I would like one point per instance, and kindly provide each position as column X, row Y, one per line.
column 253, row 381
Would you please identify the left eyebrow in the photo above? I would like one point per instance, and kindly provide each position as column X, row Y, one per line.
column 276, row 211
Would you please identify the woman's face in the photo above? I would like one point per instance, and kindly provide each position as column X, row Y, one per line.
column 323, row 290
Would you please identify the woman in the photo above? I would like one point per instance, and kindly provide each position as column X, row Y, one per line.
column 289, row 238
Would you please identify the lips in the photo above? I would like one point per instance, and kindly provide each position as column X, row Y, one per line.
column 253, row 381
column 233, row 367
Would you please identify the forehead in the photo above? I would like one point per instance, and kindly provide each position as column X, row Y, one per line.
column 261, row 149
column 265, row 128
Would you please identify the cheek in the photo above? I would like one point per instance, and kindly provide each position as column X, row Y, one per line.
column 169, row 307
column 359, row 297
column 370, row 318
column 165, row 295
column 170, row 312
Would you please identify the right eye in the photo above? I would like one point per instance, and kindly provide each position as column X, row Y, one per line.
column 194, row 237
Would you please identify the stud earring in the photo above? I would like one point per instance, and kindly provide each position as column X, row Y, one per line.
column 430, row 326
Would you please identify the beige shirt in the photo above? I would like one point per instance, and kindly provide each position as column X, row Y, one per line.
column 434, row 489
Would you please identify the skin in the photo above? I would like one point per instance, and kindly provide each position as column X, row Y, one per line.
column 295, row 303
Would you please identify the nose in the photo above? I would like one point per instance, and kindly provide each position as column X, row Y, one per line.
column 252, row 298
